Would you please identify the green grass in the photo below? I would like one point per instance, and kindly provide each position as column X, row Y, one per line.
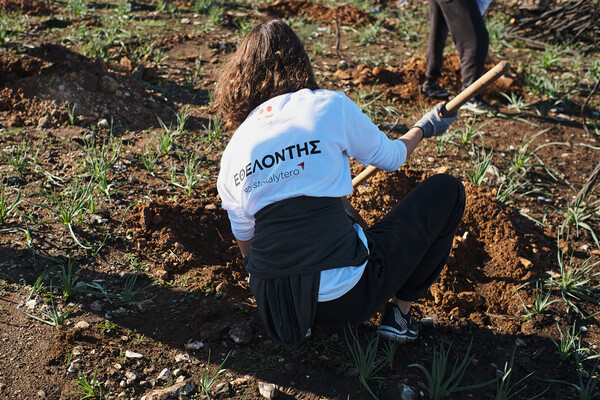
column 7, row 206
column 365, row 360
column 438, row 384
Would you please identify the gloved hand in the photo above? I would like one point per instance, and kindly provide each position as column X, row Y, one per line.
column 432, row 124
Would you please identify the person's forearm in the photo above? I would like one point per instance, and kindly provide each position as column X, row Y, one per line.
column 411, row 140
column 244, row 246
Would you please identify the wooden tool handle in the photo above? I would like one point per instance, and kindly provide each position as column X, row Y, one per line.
column 451, row 107
column 473, row 90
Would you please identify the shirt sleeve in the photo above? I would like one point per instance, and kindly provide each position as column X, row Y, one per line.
column 366, row 143
column 242, row 226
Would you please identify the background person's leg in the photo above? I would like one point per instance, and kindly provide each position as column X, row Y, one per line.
column 438, row 31
column 470, row 36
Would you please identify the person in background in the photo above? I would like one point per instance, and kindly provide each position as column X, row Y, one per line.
column 282, row 180
column 464, row 20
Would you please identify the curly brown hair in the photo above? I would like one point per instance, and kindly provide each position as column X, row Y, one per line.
column 269, row 62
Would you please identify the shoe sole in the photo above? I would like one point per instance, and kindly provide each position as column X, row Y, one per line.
column 394, row 334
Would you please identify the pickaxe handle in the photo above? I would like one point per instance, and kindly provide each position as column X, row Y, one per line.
column 451, row 107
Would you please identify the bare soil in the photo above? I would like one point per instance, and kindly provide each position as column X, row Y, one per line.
column 193, row 287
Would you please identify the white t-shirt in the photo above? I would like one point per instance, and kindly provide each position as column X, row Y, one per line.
column 298, row 144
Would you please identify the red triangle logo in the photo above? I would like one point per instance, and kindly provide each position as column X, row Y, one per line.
column 301, row 165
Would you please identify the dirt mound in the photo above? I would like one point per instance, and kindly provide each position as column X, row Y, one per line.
column 190, row 236
column 404, row 83
column 35, row 90
column 486, row 264
column 30, row 7
column 345, row 14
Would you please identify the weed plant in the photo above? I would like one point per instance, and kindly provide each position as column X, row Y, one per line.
column 68, row 278
column 7, row 207
column 91, row 389
column 98, row 161
column 541, row 301
column 77, row 7
column 587, row 390
column 70, row 109
column 165, row 139
column 213, row 129
column 516, row 102
column 506, row 391
column 389, row 351
column 580, row 214
column 576, row 281
column 207, row 380
column 18, row 157
column 365, row 360
column 129, row 293
column 552, row 57
column 566, row 345
column 481, row 163
column 150, row 160
column 69, row 206
column 53, row 316
column 499, row 33
column 438, row 386
column 191, row 174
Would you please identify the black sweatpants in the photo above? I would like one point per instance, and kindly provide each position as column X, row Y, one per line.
column 408, row 249
column 465, row 23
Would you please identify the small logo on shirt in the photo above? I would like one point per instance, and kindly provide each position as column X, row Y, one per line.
column 265, row 113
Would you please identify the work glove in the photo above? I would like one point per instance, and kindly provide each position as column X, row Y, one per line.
column 432, row 124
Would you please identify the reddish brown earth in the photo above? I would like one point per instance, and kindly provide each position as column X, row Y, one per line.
column 183, row 247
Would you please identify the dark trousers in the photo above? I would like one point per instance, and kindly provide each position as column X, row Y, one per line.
column 465, row 23
column 408, row 249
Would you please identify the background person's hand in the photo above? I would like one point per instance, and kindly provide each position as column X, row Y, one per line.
column 432, row 124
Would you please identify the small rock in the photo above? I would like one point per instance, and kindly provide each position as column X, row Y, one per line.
column 43, row 122
column 75, row 366
column 131, row 376
column 428, row 321
column 241, row 381
column 267, row 390
column 197, row 345
column 103, row 123
column 174, row 391
column 526, row 263
column 241, row 334
column 406, row 392
column 96, row 306
column 342, row 75
column 210, row 207
column 41, row 394
column 109, row 84
column 82, row 325
column 183, row 357
column 132, row 354
column 520, row 342
column 178, row 372
column 222, row 389
column 180, row 379
column 165, row 375
column 31, row 305
column 186, row 21
column 352, row 372
column 14, row 121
